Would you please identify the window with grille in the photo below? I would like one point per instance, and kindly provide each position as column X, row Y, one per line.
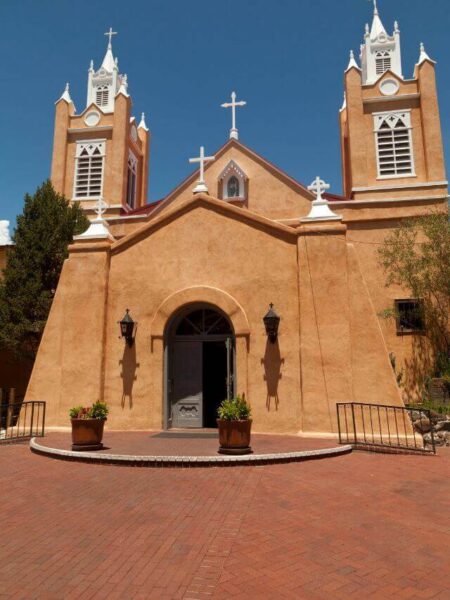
column 131, row 180
column 102, row 95
column 394, row 144
column 382, row 62
column 89, row 165
column 409, row 316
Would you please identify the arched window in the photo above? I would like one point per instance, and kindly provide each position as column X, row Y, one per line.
column 232, row 182
column 233, row 187
column 102, row 95
column 382, row 62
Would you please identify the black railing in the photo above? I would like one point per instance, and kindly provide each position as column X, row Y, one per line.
column 21, row 420
column 379, row 426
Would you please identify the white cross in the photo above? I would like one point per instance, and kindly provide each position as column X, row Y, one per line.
column 233, row 131
column 100, row 208
column 318, row 186
column 202, row 159
column 110, row 33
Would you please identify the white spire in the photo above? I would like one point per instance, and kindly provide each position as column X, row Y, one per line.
column 123, row 89
column 5, row 239
column 377, row 25
column 424, row 55
column 142, row 124
column 108, row 62
column 352, row 62
column 381, row 51
column 344, row 103
column 320, row 210
column 66, row 95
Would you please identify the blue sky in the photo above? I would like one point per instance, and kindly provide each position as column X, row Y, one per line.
column 285, row 58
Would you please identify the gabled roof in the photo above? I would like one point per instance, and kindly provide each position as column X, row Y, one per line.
column 156, row 207
column 205, row 200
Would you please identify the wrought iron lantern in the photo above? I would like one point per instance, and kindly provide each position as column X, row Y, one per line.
column 271, row 323
column 127, row 328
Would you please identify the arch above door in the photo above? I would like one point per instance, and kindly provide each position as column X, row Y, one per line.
column 202, row 295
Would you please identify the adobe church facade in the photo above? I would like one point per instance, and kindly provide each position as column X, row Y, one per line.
column 199, row 269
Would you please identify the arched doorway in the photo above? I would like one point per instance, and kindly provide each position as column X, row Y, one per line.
column 200, row 346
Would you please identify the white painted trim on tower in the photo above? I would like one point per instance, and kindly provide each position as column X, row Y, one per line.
column 404, row 186
column 375, row 201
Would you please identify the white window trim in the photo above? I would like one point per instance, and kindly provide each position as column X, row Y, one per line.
column 134, row 165
column 101, row 144
column 233, row 170
column 380, row 117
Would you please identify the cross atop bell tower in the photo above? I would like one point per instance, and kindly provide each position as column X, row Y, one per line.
column 104, row 83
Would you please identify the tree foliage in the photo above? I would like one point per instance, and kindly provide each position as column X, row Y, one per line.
column 43, row 233
column 416, row 256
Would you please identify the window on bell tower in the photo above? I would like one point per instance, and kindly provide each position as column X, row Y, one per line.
column 89, row 164
column 382, row 62
column 102, row 95
column 131, row 180
column 394, row 144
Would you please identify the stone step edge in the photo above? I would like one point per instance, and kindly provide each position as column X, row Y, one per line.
column 187, row 461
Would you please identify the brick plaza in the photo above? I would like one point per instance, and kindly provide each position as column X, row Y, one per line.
column 360, row 525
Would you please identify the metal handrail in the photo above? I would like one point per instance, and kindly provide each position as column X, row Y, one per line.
column 382, row 426
column 22, row 420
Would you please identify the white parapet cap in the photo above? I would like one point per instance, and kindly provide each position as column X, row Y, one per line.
column 320, row 210
column 5, row 238
column 97, row 230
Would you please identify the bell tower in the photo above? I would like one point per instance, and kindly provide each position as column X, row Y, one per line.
column 101, row 152
column 391, row 140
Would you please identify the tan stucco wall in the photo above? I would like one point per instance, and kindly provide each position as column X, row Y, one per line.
column 204, row 250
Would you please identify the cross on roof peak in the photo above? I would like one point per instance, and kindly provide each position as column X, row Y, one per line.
column 234, row 134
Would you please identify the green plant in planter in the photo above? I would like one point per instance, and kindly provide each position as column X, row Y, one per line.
column 99, row 410
column 236, row 409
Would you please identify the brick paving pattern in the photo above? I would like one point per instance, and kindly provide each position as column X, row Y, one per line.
column 356, row 526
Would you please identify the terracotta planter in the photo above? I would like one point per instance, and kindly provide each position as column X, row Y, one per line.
column 87, row 434
column 234, row 436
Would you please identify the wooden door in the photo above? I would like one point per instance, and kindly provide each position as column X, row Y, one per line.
column 187, row 385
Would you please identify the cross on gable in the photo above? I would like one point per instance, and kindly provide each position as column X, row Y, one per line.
column 319, row 186
column 202, row 159
column 233, row 104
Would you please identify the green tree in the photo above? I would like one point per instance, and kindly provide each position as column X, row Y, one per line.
column 44, row 231
column 416, row 256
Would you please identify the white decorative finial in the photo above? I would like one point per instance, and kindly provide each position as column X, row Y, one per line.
column 396, row 27
column 367, row 29
column 110, row 33
column 352, row 62
column 66, row 94
column 91, row 65
column 142, row 124
column 320, row 210
column 423, row 54
column 116, row 62
column 123, row 89
column 344, row 103
column 202, row 159
column 375, row 7
column 234, row 134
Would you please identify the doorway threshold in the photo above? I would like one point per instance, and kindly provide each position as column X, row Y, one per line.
column 191, row 434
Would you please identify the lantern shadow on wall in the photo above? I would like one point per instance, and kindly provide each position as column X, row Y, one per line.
column 272, row 363
column 128, row 374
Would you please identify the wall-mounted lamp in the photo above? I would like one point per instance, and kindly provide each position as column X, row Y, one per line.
column 127, row 328
column 271, row 323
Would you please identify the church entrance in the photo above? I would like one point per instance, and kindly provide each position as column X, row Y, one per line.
column 200, row 371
